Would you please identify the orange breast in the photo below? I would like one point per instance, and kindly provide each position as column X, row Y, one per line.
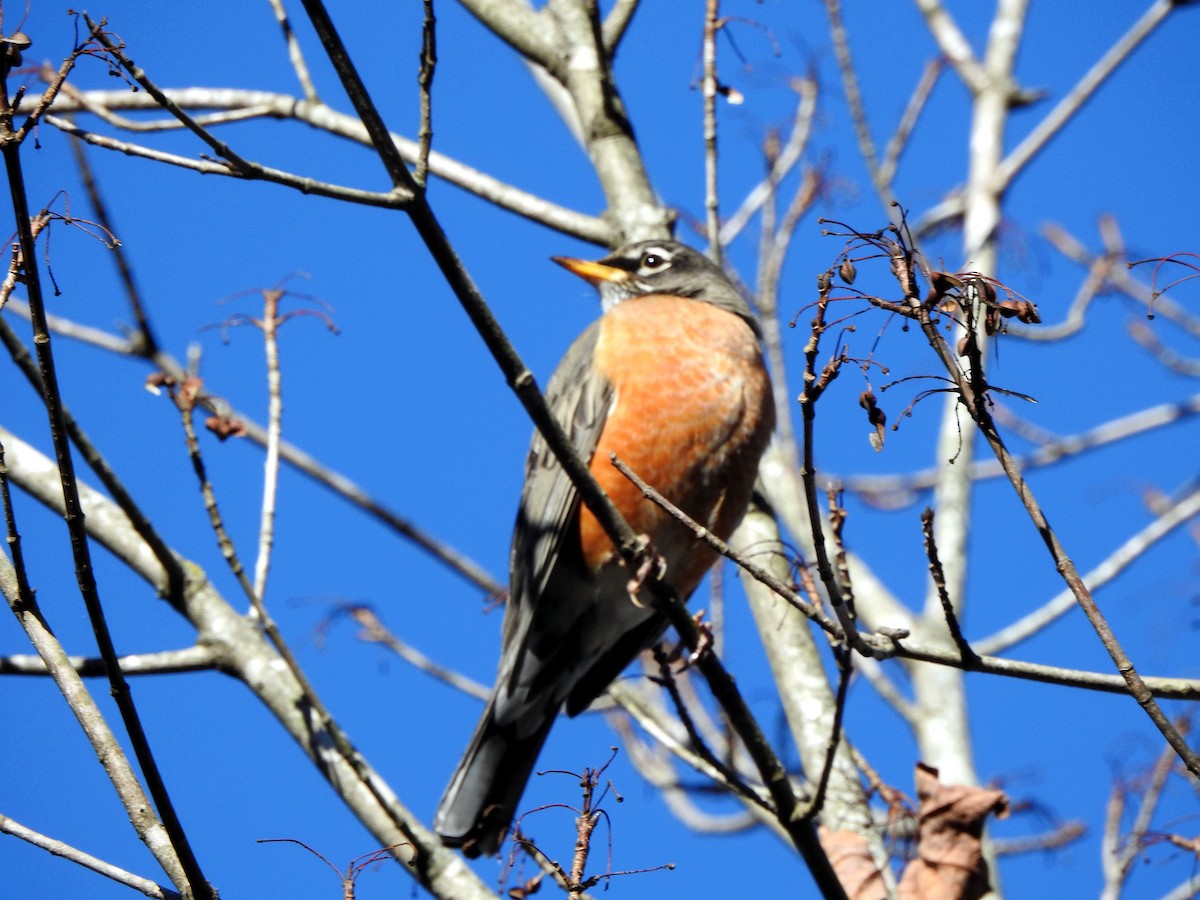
column 692, row 415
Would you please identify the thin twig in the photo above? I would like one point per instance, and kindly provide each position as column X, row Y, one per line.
column 269, row 324
column 814, row 386
column 779, row 163
column 145, row 334
column 1118, row 276
column 336, row 482
column 845, row 663
column 425, row 83
column 375, row 632
column 295, row 54
column 243, row 652
column 15, row 586
column 86, row 860
column 184, row 395
column 1082, row 92
column 902, row 646
column 708, row 90
column 976, row 406
column 520, row 379
column 1134, row 548
column 908, row 120
column 730, row 777
column 1118, row 853
column 304, row 185
column 85, row 576
column 99, row 465
column 703, row 534
column 243, row 104
column 652, row 761
column 666, row 732
column 939, row 583
column 907, row 487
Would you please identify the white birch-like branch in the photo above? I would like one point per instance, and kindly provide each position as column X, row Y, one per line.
column 242, row 651
column 163, row 662
column 1180, row 512
column 104, row 743
column 953, row 44
column 266, row 104
column 77, row 856
column 1066, row 109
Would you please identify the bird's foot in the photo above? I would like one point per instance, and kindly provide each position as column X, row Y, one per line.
column 653, row 565
column 703, row 645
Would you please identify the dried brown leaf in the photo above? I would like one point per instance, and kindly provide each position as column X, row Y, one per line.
column 850, row 855
column 225, row 427
column 875, row 416
column 944, row 283
column 949, row 864
column 847, row 271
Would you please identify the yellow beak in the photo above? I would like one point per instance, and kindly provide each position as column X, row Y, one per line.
column 593, row 272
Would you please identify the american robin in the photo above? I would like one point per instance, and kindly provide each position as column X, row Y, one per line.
column 671, row 379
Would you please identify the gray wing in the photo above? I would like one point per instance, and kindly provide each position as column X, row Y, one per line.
column 545, row 537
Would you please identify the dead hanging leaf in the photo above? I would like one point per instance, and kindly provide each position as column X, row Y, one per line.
column 985, row 291
column 188, row 390
column 1024, row 311
column 850, row 855
column 528, row 889
column 943, row 283
column 156, row 381
column 847, row 271
column 225, row 427
column 949, row 863
column 876, row 417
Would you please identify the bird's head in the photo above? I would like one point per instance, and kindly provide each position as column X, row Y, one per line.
column 659, row 267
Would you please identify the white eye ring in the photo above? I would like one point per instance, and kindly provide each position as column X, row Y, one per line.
column 652, row 261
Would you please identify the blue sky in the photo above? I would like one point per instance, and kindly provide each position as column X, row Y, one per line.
column 406, row 401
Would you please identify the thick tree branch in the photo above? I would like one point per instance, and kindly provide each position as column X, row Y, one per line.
column 240, row 649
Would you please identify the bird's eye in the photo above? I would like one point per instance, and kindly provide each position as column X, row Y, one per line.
column 653, row 261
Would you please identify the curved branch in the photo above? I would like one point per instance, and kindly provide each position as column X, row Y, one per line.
column 66, row 851
column 953, row 44
column 522, row 28
column 267, row 104
column 875, row 487
column 1081, row 93
column 1179, row 513
column 241, row 650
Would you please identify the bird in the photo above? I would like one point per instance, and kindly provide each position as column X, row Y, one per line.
column 671, row 379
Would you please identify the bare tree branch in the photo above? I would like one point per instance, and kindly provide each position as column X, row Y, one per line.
column 264, row 104
column 241, row 650
column 193, row 882
column 294, row 53
column 164, row 662
column 1180, row 512
column 953, row 44
column 1083, row 91
column 908, row 487
column 294, row 456
column 99, row 866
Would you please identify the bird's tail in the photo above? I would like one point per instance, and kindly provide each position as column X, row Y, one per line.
column 482, row 798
